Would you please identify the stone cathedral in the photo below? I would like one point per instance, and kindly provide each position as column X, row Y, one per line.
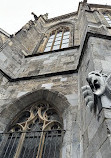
column 55, row 86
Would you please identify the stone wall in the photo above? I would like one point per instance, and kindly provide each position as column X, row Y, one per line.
column 63, row 84
column 16, row 96
column 3, row 38
column 95, row 137
column 101, row 54
column 86, row 136
column 60, row 90
column 11, row 58
column 50, row 63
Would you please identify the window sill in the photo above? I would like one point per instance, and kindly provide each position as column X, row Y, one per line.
column 53, row 51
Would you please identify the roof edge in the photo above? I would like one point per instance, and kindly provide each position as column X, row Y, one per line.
column 62, row 16
column 99, row 5
column 4, row 32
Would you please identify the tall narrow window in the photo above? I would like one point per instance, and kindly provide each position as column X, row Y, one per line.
column 107, row 19
column 57, row 40
column 36, row 133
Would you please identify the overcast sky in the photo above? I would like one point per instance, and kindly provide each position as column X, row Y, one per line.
column 16, row 13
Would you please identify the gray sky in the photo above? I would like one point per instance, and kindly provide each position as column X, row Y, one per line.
column 16, row 13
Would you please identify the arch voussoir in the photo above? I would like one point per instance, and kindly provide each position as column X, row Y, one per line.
column 55, row 98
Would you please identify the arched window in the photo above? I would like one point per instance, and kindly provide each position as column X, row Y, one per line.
column 57, row 39
column 35, row 133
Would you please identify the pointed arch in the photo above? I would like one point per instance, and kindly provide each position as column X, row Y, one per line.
column 58, row 36
column 59, row 24
column 55, row 98
column 37, row 118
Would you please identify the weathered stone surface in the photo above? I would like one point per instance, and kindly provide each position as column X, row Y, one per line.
column 87, row 135
column 106, row 149
column 97, row 129
column 73, row 99
column 98, row 154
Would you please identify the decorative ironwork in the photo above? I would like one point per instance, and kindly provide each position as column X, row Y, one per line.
column 22, row 141
column 30, row 148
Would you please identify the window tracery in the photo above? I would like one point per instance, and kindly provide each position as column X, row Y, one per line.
column 57, row 39
column 43, row 125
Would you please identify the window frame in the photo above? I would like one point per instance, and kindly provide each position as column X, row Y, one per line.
column 49, row 120
column 107, row 18
column 55, row 33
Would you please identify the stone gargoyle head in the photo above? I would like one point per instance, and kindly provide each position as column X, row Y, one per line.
column 96, row 82
column 98, row 92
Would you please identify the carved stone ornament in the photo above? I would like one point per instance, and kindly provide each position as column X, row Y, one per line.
column 88, row 95
column 98, row 92
column 40, row 116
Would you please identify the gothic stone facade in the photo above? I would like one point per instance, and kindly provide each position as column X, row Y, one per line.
column 28, row 74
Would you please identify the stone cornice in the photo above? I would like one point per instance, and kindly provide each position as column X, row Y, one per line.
column 61, row 17
column 10, row 79
column 53, row 51
column 4, row 32
column 99, row 6
column 89, row 34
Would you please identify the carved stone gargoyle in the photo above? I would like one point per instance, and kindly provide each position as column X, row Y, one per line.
column 98, row 92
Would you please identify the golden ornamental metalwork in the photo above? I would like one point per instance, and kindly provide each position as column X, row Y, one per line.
column 41, row 114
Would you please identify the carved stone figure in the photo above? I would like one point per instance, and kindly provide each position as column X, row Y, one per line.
column 98, row 93
column 35, row 16
column 89, row 96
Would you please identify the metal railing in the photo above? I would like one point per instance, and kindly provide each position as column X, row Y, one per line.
column 32, row 144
